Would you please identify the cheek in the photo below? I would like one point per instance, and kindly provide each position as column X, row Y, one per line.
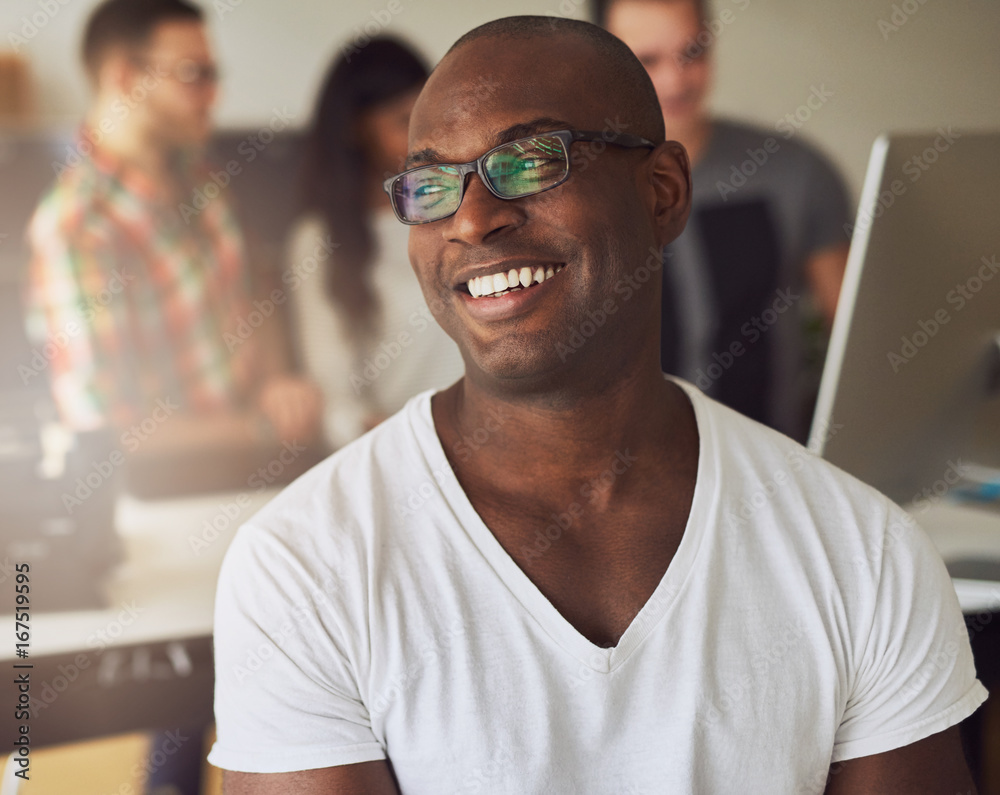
column 698, row 76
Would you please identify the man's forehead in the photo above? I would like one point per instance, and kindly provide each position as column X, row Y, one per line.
column 476, row 99
column 177, row 35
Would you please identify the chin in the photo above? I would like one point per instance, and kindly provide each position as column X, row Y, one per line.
column 517, row 365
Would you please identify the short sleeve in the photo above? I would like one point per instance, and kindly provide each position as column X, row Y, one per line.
column 286, row 692
column 915, row 676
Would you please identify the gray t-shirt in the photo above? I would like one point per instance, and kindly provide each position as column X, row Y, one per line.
column 737, row 317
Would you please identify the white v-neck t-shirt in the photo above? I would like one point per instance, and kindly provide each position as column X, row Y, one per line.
column 368, row 612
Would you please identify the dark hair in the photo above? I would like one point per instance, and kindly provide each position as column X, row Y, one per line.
column 599, row 10
column 633, row 93
column 129, row 23
column 335, row 173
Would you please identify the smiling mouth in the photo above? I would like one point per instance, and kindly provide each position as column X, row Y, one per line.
column 512, row 281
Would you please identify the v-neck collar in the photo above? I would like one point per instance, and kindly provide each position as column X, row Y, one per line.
column 597, row 658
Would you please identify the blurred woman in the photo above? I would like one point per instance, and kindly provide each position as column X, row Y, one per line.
column 364, row 330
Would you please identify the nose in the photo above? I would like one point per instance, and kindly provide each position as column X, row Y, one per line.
column 481, row 215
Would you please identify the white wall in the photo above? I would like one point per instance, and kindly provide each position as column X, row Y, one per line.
column 941, row 66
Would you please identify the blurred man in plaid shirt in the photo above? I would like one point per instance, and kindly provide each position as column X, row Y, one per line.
column 144, row 307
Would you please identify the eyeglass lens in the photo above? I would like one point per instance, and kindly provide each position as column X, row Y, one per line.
column 518, row 169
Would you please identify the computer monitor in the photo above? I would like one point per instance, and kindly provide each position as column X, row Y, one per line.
column 909, row 394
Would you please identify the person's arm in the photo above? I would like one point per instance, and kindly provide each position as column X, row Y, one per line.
column 912, row 679
column 328, row 354
column 76, row 312
column 825, row 273
column 827, row 215
column 927, row 767
column 365, row 778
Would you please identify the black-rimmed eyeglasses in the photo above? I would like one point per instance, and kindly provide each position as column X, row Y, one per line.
column 511, row 171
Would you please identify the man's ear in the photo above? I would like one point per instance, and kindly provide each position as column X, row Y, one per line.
column 670, row 177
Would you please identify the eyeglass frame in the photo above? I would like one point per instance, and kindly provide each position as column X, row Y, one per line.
column 566, row 137
column 207, row 74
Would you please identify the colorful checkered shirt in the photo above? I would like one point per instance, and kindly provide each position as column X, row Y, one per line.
column 134, row 300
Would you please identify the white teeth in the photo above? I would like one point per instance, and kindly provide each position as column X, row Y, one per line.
column 502, row 283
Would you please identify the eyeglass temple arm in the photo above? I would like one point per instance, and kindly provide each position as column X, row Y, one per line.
column 619, row 139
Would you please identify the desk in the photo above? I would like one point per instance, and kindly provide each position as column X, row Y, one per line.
column 146, row 660
column 962, row 532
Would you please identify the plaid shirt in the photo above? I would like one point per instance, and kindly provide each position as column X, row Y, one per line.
column 134, row 300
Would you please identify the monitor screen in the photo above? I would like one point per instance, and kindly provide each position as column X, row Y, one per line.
column 909, row 395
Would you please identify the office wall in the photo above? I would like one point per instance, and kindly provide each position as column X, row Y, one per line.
column 868, row 65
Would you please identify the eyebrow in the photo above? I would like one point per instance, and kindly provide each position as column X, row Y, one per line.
column 429, row 155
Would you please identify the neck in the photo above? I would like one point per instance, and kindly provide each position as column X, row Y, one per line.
column 550, row 437
column 128, row 140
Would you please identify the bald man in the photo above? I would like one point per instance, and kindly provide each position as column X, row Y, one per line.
column 568, row 573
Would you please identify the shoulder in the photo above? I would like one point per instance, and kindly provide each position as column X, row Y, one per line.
column 798, row 157
column 347, row 506
column 774, row 487
column 72, row 204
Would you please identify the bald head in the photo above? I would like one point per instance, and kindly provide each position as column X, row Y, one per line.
column 601, row 63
